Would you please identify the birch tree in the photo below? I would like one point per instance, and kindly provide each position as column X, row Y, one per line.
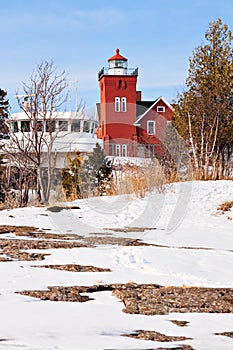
column 204, row 111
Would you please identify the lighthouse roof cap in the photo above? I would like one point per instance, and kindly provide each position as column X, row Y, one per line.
column 117, row 56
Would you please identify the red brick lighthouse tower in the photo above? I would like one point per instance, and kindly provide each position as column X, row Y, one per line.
column 117, row 108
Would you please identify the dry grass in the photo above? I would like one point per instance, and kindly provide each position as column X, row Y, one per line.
column 11, row 202
column 137, row 180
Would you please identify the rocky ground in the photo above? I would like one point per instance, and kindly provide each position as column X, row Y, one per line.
column 146, row 299
column 154, row 336
column 74, row 268
column 33, row 238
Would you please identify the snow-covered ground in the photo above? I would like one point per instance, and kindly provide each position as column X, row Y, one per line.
column 181, row 220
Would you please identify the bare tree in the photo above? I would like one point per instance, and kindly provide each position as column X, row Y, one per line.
column 32, row 145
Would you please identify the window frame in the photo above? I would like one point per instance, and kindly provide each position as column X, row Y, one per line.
column 123, row 104
column 27, row 125
column 76, row 126
column 118, row 150
column 162, row 109
column 50, row 125
column 86, row 126
column 124, row 150
column 63, row 125
column 148, row 127
column 117, row 104
column 15, row 126
column 39, row 126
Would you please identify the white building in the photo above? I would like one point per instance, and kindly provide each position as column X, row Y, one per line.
column 70, row 131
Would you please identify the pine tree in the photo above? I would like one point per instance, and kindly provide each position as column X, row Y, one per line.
column 71, row 178
column 96, row 173
column 204, row 111
column 4, row 106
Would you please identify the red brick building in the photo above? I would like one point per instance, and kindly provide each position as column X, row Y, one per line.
column 129, row 126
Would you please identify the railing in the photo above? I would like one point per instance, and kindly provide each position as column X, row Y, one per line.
column 127, row 71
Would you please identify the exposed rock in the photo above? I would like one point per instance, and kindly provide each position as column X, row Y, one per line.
column 154, row 336
column 163, row 300
column 44, row 235
column 226, row 334
column 72, row 294
column 75, row 268
column 131, row 229
column 180, row 323
column 39, row 239
column 106, row 240
column 153, row 299
column 24, row 256
column 15, row 248
column 22, row 244
column 10, row 229
column 3, row 259
column 181, row 347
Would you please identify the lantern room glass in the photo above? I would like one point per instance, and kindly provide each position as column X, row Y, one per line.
column 117, row 64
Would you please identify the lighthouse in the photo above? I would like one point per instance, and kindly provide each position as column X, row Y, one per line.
column 128, row 125
column 117, row 109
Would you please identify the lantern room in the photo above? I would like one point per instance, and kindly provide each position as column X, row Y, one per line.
column 117, row 64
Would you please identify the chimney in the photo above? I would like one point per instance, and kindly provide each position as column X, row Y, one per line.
column 138, row 95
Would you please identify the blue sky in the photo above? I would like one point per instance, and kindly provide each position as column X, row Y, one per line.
column 158, row 36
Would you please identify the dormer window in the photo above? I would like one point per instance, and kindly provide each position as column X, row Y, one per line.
column 160, row 109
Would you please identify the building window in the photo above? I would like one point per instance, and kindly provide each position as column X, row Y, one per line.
column 123, row 104
column 124, row 150
column 15, row 127
column 92, row 127
column 63, row 125
column 151, row 127
column 50, row 125
column 117, row 104
column 118, row 150
column 119, row 86
column 86, row 126
column 25, row 125
column 38, row 125
column 160, row 109
column 75, row 126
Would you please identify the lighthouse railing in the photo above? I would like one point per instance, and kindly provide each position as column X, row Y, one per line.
column 128, row 71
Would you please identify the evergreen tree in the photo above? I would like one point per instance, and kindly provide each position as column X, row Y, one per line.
column 204, row 112
column 96, row 173
column 70, row 177
column 4, row 106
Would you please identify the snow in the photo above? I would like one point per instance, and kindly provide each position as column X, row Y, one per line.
column 182, row 220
